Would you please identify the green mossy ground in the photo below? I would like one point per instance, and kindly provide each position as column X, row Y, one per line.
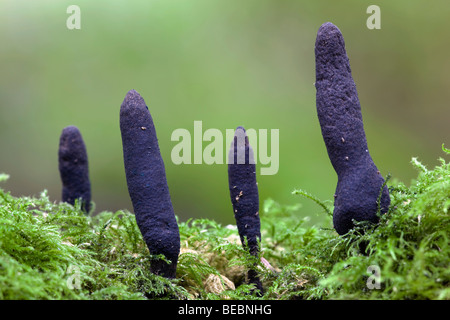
column 54, row 251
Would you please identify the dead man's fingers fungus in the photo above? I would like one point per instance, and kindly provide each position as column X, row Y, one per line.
column 147, row 184
column 359, row 181
column 244, row 196
column 74, row 169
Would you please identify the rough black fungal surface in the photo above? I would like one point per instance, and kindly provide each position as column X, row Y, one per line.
column 147, row 184
column 73, row 168
column 339, row 112
column 244, row 196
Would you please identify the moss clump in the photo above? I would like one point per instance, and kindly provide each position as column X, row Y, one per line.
column 54, row 251
column 407, row 254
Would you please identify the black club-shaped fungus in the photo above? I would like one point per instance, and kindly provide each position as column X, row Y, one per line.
column 244, row 196
column 339, row 112
column 73, row 168
column 147, row 184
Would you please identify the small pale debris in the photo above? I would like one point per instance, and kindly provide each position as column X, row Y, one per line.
column 301, row 282
column 268, row 265
column 213, row 284
column 234, row 238
column 187, row 250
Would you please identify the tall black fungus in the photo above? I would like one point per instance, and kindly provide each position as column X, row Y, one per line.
column 147, row 184
column 73, row 168
column 244, row 196
column 359, row 181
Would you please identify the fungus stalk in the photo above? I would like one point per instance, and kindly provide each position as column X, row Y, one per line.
column 73, row 168
column 244, row 196
column 147, row 184
column 359, row 183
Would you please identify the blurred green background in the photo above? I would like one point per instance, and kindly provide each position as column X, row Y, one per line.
column 226, row 63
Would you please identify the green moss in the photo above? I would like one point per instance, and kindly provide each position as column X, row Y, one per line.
column 54, row 251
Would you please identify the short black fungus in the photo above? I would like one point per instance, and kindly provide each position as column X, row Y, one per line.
column 73, row 168
column 147, row 184
column 244, row 196
column 360, row 184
